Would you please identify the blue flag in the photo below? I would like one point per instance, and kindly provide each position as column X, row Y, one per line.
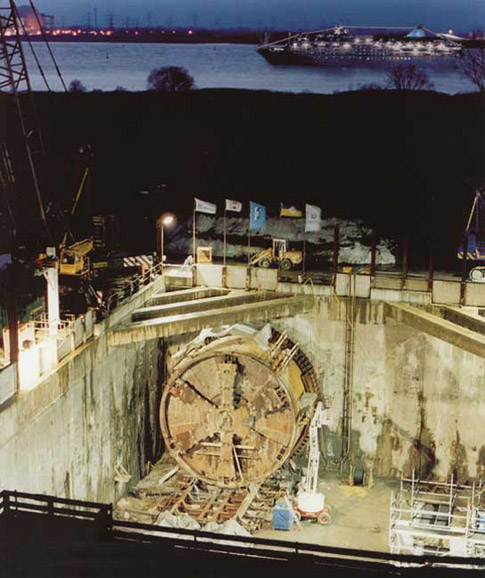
column 257, row 219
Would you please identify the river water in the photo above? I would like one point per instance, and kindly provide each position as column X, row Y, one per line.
column 108, row 66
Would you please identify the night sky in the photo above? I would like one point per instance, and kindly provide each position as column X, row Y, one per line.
column 461, row 15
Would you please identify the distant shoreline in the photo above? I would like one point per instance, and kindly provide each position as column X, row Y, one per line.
column 162, row 37
column 181, row 36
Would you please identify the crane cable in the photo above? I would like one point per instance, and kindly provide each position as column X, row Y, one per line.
column 44, row 36
column 25, row 133
column 34, row 54
column 7, row 182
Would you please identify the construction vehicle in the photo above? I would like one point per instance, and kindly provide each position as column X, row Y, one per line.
column 277, row 255
column 311, row 503
column 74, row 260
column 472, row 247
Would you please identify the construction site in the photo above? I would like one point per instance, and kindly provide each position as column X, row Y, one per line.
column 230, row 417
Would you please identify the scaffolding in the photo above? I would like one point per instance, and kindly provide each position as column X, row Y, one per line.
column 437, row 518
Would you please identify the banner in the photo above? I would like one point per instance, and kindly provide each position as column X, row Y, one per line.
column 290, row 211
column 257, row 219
column 313, row 219
column 205, row 207
column 235, row 206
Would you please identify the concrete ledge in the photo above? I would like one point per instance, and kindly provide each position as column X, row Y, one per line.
column 186, row 295
column 306, row 289
column 437, row 327
column 413, row 284
column 199, row 305
column 464, row 319
column 178, row 281
column 127, row 307
column 194, row 322
column 387, row 282
column 398, row 295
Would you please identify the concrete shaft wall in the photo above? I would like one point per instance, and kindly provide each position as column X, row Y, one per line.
column 96, row 412
column 417, row 402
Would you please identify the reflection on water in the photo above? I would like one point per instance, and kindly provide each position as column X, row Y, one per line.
column 107, row 66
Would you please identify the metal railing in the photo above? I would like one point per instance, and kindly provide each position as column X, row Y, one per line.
column 64, row 327
column 132, row 286
column 16, row 504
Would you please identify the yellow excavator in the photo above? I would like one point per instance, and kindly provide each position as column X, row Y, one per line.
column 278, row 254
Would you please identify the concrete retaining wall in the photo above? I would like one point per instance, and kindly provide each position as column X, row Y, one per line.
column 264, row 279
column 388, row 288
column 210, row 275
column 418, row 402
column 394, row 295
column 95, row 412
column 475, row 294
column 8, row 383
column 236, row 277
column 446, row 293
column 98, row 410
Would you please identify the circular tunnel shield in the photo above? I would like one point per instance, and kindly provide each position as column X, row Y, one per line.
column 229, row 419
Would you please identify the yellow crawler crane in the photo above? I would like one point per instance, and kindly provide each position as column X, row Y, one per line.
column 278, row 255
column 74, row 260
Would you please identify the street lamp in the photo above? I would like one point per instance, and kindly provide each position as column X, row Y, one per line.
column 165, row 221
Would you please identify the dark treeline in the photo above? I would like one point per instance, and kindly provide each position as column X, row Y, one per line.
column 407, row 163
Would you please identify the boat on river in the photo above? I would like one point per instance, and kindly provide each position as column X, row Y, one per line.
column 345, row 46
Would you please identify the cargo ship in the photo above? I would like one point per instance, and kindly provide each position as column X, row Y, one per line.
column 341, row 46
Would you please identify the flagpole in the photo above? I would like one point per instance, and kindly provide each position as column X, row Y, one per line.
column 193, row 234
column 304, row 251
column 249, row 236
column 225, row 234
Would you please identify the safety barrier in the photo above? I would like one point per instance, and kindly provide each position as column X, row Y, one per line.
column 8, row 382
column 22, row 502
column 421, row 289
column 89, row 320
column 15, row 504
column 131, row 287
column 41, row 348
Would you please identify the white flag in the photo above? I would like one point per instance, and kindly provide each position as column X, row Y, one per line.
column 205, row 207
column 235, row 206
column 313, row 220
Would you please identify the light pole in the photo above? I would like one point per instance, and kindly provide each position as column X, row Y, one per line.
column 165, row 221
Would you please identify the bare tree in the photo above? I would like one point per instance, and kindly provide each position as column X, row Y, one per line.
column 408, row 77
column 473, row 66
column 170, row 79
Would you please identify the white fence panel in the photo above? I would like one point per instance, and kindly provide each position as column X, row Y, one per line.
column 8, row 383
column 89, row 324
column 63, row 347
column 78, row 332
